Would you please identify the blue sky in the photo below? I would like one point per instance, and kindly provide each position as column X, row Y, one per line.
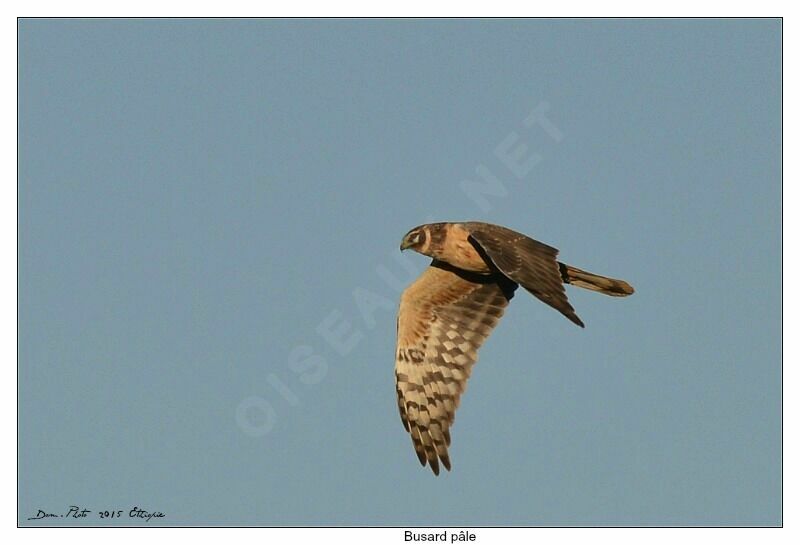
column 210, row 214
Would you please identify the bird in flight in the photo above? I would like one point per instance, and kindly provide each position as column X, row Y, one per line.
column 450, row 310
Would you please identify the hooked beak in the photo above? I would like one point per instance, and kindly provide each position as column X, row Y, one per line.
column 405, row 244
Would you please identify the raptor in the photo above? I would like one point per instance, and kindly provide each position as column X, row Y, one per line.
column 449, row 311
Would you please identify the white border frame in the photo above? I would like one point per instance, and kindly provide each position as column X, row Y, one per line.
column 347, row 8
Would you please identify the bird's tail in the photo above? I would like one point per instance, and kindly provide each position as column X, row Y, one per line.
column 595, row 282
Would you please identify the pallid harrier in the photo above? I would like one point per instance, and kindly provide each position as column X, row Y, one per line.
column 448, row 312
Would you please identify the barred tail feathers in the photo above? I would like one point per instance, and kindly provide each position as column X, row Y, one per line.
column 582, row 279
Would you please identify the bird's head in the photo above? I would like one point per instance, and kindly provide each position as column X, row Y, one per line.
column 416, row 239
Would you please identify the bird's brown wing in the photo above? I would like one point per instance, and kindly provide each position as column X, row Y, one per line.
column 528, row 262
column 444, row 317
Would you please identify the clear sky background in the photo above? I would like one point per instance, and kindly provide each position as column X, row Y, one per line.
column 209, row 221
